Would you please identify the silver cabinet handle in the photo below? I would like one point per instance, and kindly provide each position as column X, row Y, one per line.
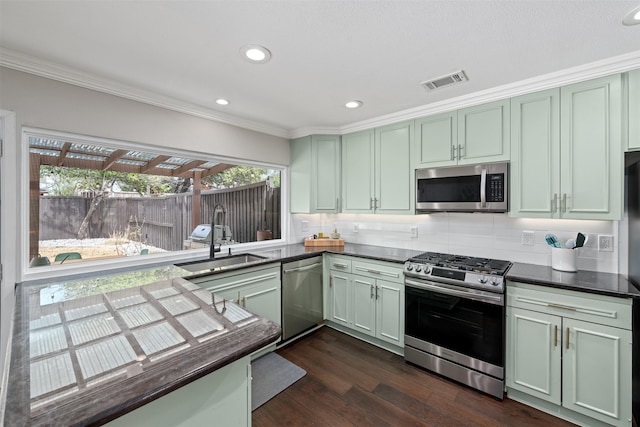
column 554, row 203
column 568, row 335
column 460, row 148
column 563, row 204
column 371, row 286
column 371, row 203
column 377, row 289
column 375, row 203
column 555, row 335
column 453, row 152
column 336, row 264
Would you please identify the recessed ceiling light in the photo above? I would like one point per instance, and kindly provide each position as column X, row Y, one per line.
column 353, row 104
column 256, row 54
column 222, row 101
column 633, row 17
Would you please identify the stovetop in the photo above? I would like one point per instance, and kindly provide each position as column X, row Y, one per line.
column 480, row 273
column 463, row 263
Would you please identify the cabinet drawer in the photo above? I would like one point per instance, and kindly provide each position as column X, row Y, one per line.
column 378, row 270
column 601, row 309
column 338, row 263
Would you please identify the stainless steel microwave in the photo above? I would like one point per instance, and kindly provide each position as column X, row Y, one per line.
column 474, row 188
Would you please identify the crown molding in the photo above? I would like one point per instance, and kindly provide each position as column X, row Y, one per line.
column 39, row 67
column 43, row 68
column 605, row 67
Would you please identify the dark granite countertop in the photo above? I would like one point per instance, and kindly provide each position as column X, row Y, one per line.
column 83, row 349
column 583, row 280
column 87, row 351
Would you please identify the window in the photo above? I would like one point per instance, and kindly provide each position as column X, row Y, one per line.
column 92, row 199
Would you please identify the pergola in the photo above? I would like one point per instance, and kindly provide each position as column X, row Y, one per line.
column 55, row 152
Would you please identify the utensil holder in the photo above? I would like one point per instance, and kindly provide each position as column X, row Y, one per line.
column 563, row 259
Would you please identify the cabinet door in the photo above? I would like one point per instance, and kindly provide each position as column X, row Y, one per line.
column 390, row 312
column 325, row 173
column 483, row 133
column 358, row 172
column 591, row 170
column 394, row 181
column 364, row 305
column 535, row 155
column 263, row 298
column 634, row 109
column 300, row 170
column 597, row 371
column 436, row 140
column 339, row 298
column 534, row 353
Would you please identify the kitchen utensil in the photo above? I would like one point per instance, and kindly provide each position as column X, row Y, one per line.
column 580, row 240
column 552, row 240
column 570, row 244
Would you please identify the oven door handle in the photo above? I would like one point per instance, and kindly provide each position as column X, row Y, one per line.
column 469, row 294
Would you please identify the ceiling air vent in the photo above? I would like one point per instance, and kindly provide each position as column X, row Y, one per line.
column 437, row 83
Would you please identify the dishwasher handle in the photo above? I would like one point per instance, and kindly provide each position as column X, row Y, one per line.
column 305, row 268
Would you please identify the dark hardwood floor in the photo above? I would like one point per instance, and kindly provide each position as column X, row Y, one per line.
column 352, row 383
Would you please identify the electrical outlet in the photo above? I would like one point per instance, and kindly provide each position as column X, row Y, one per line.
column 355, row 228
column 605, row 243
column 304, row 225
column 414, row 231
column 528, row 238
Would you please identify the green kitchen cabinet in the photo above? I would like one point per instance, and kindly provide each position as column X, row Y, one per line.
column 483, row 133
column 358, row 176
column 567, row 152
column 634, row 109
column 535, row 154
column 257, row 289
column 339, row 298
column 367, row 297
column 437, row 140
column 377, row 170
column 569, row 353
column 315, row 174
column 222, row 397
column 471, row 135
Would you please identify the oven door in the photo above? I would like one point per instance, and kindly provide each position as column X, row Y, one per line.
column 451, row 321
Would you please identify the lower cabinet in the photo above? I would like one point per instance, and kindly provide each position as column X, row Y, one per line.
column 257, row 289
column 570, row 354
column 221, row 398
column 365, row 303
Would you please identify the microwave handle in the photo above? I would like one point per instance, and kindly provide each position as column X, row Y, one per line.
column 483, row 188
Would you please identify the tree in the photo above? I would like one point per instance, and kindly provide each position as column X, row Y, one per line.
column 235, row 177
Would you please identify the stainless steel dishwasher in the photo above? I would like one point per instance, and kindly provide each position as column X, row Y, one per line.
column 301, row 296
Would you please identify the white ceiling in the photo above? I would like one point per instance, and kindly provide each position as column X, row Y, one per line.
column 324, row 52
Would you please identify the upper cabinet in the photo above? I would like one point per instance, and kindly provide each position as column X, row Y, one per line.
column 315, row 174
column 377, row 174
column 566, row 159
column 634, row 110
column 472, row 135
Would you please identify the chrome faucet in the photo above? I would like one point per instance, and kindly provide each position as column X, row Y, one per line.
column 212, row 248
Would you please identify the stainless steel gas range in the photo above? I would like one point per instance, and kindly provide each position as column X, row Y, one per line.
column 455, row 319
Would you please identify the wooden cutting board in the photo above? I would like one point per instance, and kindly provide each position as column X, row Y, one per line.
column 323, row 242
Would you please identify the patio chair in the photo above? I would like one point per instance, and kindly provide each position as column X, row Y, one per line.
column 62, row 257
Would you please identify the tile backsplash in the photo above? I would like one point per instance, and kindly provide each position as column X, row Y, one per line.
column 485, row 235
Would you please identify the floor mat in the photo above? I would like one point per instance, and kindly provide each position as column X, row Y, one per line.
column 271, row 375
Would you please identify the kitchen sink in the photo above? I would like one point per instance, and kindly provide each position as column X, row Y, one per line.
column 221, row 263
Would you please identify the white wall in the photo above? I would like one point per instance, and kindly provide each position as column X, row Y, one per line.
column 44, row 103
column 484, row 235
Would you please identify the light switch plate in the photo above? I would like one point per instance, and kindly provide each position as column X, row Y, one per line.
column 414, row 231
column 355, row 228
column 304, row 225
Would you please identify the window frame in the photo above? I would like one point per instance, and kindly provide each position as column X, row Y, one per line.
column 130, row 263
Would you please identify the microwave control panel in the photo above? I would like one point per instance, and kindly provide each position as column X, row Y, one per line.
column 495, row 187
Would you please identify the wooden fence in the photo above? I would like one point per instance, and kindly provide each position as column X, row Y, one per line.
column 165, row 221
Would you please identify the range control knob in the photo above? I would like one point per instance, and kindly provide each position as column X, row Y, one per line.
column 495, row 282
column 482, row 280
column 409, row 267
column 418, row 269
column 427, row 270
